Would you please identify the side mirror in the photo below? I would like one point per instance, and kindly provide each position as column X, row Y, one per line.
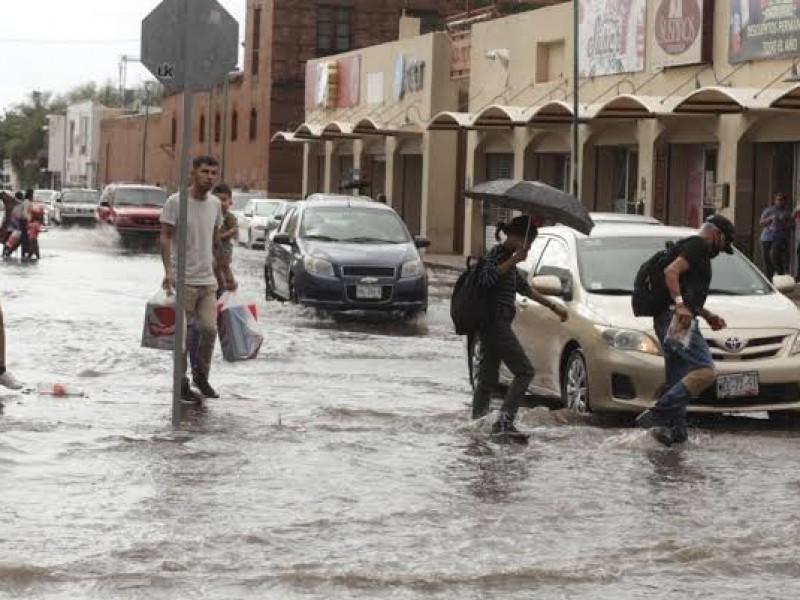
column 549, row 285
column 105, row 204
column 421, row 242
column 785, row 284
column 282, row 239
column 58, row 199
column 249, row 214
column 278, row 217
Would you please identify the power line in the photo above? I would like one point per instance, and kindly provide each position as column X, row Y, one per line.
column 65, row 42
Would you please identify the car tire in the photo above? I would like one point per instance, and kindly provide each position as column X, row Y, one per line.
column 784, row 418
column 269, row 289
column 474, row 358
column 575, row 384
column 293, row 297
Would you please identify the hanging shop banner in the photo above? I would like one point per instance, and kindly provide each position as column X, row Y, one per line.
column 764, row 29
column 349, row 69
column 333, row 83
column 612, row 36
column 678, row 29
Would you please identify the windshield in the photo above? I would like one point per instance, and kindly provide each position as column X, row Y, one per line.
column 240, row 199
column 139, row 197
column 43, row 196
column 267, row 209
column 609, row 265
column 80, row 197
column 355, row 224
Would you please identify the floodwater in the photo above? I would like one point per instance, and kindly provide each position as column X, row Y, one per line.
column 340, row 464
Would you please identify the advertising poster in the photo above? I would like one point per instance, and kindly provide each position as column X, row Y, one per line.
column 612, row 36
column 764, row 29
column 677, row 29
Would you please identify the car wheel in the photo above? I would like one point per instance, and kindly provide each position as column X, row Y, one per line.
column 784, row 418
column 575, row 384
column 475, row 353
column 293, row 297
column 269, row 288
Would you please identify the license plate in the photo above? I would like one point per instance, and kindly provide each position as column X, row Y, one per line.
column 737, row 385
column 369, row 292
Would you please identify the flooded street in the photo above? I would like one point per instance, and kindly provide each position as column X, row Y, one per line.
column 340, row 464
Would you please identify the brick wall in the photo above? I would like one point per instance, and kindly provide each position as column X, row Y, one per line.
column 288, row 40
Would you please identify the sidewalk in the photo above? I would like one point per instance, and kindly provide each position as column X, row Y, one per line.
column 445, row 262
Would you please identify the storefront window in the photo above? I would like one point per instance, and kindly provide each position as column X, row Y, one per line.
column 625, row 175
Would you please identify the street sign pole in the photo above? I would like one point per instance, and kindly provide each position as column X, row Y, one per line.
column 197, row 61
column 179, row 368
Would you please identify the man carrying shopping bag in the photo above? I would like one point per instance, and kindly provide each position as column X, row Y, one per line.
column 200, row 300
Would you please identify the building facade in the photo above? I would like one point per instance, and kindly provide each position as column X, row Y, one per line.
column 687, row 109
column 236, row 122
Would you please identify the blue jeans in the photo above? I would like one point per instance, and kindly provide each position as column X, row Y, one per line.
column 679, row 361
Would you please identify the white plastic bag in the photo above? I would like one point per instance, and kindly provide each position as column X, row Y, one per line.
column 159, row 322
column 239, row 334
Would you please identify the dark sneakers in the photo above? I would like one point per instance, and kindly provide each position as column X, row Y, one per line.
column 188, row 395
column 201, row 381
column 504, row 428
column 665, row 428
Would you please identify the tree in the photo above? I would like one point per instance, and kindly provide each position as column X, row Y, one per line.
column 23, row 138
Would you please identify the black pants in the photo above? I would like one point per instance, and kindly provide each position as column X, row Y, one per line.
column 500, row 344
column 774, row 258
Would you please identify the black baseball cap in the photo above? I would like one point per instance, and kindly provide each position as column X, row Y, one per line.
column 727, row 229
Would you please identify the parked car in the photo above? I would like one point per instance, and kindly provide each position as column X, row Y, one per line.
column 345, row 253
column 132, row 209
column 47, row 200
column 606, row 360
column 76, row 206
column 258, row 219
column 239, row 200
column 609, row 217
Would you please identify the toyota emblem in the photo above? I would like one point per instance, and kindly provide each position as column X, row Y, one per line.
column 734, row 344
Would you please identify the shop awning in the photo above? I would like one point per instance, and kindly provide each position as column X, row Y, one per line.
column 628, row 106
column 788, row 99
column 497, row 116
column 338, row 130
column 450, row 121
column 725, row 100
column 289, row 137
column 558, row 111
column 309, row 131
column 368, row 126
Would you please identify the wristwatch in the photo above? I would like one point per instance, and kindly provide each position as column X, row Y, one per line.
column 678, row 300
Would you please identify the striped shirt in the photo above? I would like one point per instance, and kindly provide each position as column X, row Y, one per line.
column 506, row 286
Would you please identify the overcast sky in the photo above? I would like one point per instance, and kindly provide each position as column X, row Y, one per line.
column 52, row 45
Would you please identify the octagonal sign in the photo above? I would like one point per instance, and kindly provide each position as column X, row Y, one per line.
column 190, row 44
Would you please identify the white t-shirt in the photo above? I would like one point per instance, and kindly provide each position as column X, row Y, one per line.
column 203, row 217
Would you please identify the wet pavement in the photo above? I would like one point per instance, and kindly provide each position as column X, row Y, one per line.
column 340, row 465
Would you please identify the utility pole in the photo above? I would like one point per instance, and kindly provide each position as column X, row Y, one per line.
column 147, row 87
column 575, row 99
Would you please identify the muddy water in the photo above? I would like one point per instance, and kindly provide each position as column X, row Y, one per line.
column 340, row 465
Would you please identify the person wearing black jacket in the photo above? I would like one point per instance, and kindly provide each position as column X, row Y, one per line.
column 689, row 365
column 499, row 273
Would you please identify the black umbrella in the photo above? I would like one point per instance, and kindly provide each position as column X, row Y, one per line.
column 535, row 198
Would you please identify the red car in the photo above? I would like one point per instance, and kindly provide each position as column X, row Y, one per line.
column 132, row 209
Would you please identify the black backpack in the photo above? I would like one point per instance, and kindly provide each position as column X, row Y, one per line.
column 471, row 304
column 650, row 295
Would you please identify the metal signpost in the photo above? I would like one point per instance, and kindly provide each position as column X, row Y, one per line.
column 189, row 46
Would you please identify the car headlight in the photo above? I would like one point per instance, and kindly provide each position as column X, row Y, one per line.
column 318, row 266
column 795, row 346
column 413, row 268
column 629, row 340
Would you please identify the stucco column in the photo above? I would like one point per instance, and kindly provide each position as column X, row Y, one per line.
column 647, row 130
column 730, row 130
column 327, row 181
column 473, row 219
column 439, row 168
column 308, row 169
column 520, row 143
column 391, row 182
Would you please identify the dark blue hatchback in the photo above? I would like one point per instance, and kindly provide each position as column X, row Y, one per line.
column 345, row 253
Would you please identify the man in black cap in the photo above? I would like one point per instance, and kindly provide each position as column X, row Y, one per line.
column 689, row 365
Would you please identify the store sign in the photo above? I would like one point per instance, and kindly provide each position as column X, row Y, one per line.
column 678, row 32
column 399, row 75
column 333, row 83
column 612, row 36
column 765, row 29
column 375, row 88
column 414, row 76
